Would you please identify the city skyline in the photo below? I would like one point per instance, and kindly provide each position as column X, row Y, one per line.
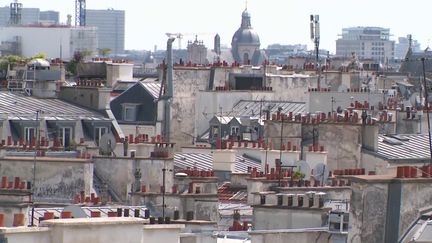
column 276, row 21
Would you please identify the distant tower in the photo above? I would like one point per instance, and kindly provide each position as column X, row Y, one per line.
column 80, row 13
column 69, row 20
column 15, row 13
column 217, row 45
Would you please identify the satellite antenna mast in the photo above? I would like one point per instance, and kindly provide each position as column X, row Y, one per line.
column 315, row 37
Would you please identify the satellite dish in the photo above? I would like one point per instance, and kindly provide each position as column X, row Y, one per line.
column 77, row 212
column 181, row 174
column 321, row 173
column 304, row 168
column 107, row 143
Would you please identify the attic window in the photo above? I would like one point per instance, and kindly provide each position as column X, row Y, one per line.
column 129, row 112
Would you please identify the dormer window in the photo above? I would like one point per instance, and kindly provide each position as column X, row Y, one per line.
column 129, row 112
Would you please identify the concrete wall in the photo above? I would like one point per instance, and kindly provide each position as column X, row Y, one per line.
column 118, row 172
column 97, row 230
column 368, row 212
column 90, row 97
column 57, row 179
column 26, row 235
column 342, row 143
column 322, row 101
column 298, row 236
column 118, row 71
column 383, row 207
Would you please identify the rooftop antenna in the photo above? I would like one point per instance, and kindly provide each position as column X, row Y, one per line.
column 315, row 37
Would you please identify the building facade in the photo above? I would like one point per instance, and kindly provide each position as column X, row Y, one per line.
column 58, row 41
column 50, row 17
column 366, row 43
column 28, row 16
column 110, row 26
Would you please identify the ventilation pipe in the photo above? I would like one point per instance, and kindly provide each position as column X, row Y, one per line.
column 169, row 90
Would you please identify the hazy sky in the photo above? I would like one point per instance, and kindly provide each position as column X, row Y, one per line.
column 276, row 21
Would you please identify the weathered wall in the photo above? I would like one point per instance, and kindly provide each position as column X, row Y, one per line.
column 119, row 173
column 258, row 185
column 416, row 196
column 283, row 236
column 90, row 97
column 271, row 218
column 374, row 163
column 57, row 179
column 292, row 87
column 342, row 143
column 368, row 209
column 186, row 84
column 322, row 101
column 292, row 131
column 203, row 206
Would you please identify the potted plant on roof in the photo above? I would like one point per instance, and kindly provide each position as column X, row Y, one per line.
column 299, row 176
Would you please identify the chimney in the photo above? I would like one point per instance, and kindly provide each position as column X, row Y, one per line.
column 288, row 157
column 370, row 137
column 224, row 160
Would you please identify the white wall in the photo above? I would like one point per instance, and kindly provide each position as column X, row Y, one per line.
column 46, row 40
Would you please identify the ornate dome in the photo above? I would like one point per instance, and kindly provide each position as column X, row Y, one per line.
column 246, row 36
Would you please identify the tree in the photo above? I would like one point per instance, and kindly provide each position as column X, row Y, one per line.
column 104, row 51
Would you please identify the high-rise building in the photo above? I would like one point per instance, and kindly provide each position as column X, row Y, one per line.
column 54, row 41
column 51, row 17
column 28, row 16
column 366, row 43
column 111, row 28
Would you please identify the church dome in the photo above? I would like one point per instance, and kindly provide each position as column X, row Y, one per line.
column 245, row 34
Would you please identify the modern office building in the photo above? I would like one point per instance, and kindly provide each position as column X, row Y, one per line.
column 28, row 16
column 54, row 41
column 110, row 25
column 366, row 43
column 51, row 17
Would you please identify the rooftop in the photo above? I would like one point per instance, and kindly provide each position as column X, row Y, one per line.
column 19, row 107
column 403, row 147
column 204, row 161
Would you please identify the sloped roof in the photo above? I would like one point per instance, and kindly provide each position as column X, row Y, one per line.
column 19, row 107
column 205, row 162
column 253, row 108
column 152, row 87
column 403, row 147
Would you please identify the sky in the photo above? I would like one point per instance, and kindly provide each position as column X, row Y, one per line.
column 276, row 21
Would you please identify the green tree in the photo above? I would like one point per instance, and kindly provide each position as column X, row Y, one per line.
column 104, row 51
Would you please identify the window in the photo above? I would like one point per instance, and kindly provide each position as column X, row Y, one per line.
column 129, row 112
column 235, row 130
column 99, row 132
column 65, row 136
column 30, row 134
